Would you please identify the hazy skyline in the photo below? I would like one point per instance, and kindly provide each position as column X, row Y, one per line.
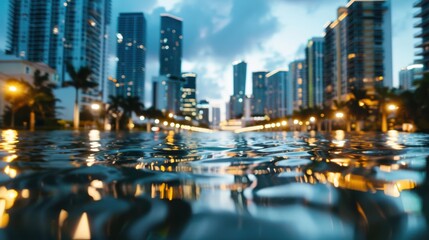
column 266, row 34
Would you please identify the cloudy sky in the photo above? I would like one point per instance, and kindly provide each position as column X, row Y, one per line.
column 267, row 34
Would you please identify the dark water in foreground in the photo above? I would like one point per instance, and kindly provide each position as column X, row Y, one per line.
column 104, row 185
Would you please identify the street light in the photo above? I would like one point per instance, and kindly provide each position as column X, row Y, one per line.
column 96, row 107
column 390, row 108
column 13, row 90
column 339, row 115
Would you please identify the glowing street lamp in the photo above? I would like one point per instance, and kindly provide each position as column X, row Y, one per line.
column 95, row 106
column 312, row 119
column 13, row 90
column 390, row 108
column 339, row 115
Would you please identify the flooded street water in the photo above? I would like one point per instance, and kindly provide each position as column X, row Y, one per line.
column 262, row 185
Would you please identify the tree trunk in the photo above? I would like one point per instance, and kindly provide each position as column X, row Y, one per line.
column 383, row 122
column 76, row 111
column 32, row 120
column 117, row 123
column 12, row 118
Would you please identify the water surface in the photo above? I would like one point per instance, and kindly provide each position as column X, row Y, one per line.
column 262, row 185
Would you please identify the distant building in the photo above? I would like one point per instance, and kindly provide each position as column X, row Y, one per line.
column 298, row 78
column 188, row 102
column 166, row 96
column 259, row 93
column 314, row 61
column 21, row 70
column 216, row 118
column 369, row 44
column 408, row 75
column 277, row 89
column 335, row 59
column 203, row 108
column 131, row 53
column 61, row 32
column 423, row 34
column 237, row 99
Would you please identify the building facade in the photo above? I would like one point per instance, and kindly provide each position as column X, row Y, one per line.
column 276, row 102
column 298, row 78
column 131, row 55
column 203, row 113
column 335, row 59
column 259, row 89
column 170, row 52
column 188, row 102
column 369, row 44
column 422, row 25
column 408, row 75
column 314, row 61
column 239, row 80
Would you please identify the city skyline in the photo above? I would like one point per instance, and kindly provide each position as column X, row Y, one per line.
column 262, row 44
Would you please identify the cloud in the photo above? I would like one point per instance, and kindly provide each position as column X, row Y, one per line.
column 310, row 5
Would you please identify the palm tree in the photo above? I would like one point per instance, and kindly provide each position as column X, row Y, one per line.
column 80, row 80
column 132, row 104
column 42, row 98
column 383, row 95
column 358, row 109
column 115, row 109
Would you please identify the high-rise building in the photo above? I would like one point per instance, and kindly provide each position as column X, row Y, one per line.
column 259, row 93
column 335, row 59
column 369, row 44
column 408, row 75
column 237, row 99
column 276, row 102
column 298, row 78
column 61, row 32
column 240, row 74
column 131, row 53
column 314, row 61
column 167, row 94
column 188, row 102
column 170, row 60
column 170, row 52
column 423, row 25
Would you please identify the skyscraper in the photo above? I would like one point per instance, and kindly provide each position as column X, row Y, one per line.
column 259, row 93
column 335, row 59
column 276, row 102
column 170, row 61
column 314, row 59
column 240, row 72
column 170, row 52
column 188, row 103
column 237, row 99
column 61, row 32
column 131, row 53
column 423, row 34
column 408, row 75
column 298, row 78
column 369, row 47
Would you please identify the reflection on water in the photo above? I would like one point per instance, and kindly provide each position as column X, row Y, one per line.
column 103, row 185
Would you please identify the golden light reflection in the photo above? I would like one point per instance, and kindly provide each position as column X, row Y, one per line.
column 169, row 192
column 9, row 141
column 339, row 138
column 94, row 140
column 359, row 183
column 7, row 200
column 83, row 230
column 10, row 171
column 62, row 217
column 393, row 140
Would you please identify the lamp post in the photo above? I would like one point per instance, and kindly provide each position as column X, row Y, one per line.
column 388, row 108
column 339, row 115
column 13, row 90
column 96, row 108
